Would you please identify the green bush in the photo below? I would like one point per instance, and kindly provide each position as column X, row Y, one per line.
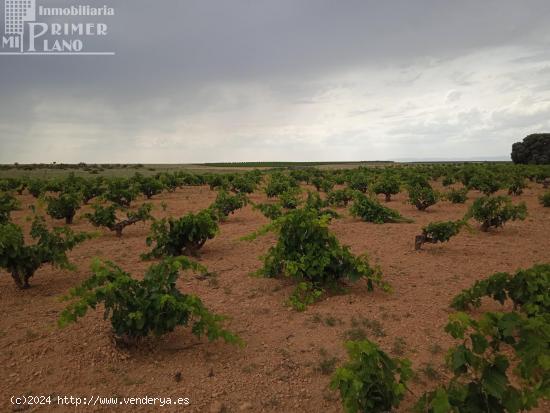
column 340, row 197
column 496, row 211
column 422, row 197
column 289, row 199
column 441, row 231
column 371, row 381
column 310, row 255
column 92, row 188
column 22, row 260
column 64, row 206
column 528, row 289
column 388, row 185
column 278, row 184
column 370, row 210
column 485, row 182
column 169, row 181
column 243, row 184
column 226, row 204
column 120, row 191
column 36, row 187
column 359, row 181
column 149, row 186
column 457, row 196
column 448, row 180
column 516, row 185
column 271, row 211
column 138, row 308
column 182, row 236
column 218, row 181
column 322, row 184
column 545, row 199
column 8, row 203
column 480, row 365
column 106, row 216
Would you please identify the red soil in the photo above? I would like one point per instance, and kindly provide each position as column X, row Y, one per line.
column 279, row 369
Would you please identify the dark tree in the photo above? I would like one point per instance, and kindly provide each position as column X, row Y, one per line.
column 535, row 149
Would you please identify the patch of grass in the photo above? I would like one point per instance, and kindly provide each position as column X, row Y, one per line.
column 316, row 318
column 430, row 372
column 375, row 326
column 436, row 349
column 327, row 364
column 332, row 321
column 399, row 346
column 356, row 334
column 213, row 281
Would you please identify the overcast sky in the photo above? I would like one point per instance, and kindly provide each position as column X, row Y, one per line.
column 259, row 80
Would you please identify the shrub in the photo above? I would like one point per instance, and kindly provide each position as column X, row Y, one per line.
column 516, row 186
column 120, row 191
column 359, row 181
column 243, row 184
column 169, row 181
column 271, row 211
column 545, row 199
column 92, row 188
column 226, row 204
column 480, row 365
column 435, row 232
column 340, row 197
column 485, row 182
column 36, row 187
column 371, row 381
column 278, row 184
column 138, row 308
column 106, row 216
column 217, row 181
column 8, row 203
column 370, row 210
column 64, row 206
column 448, row 180
column 388, row 185
column 11, row 184
column 310, row 255
column 149, row 186
column 417, row 180
column 185, row 235
column 528, row 289
column 289, row 199
column 22, row 260
column 457, row 196
column 422, row 197
column 323, row 184
column 314, row 201
column 319, row 206
column 496, row 211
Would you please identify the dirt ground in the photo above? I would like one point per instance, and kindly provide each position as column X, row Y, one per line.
column 286, row 363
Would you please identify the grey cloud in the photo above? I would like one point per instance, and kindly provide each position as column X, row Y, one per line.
column 207, row 80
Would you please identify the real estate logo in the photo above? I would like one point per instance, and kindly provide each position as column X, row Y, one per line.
column 38, row 30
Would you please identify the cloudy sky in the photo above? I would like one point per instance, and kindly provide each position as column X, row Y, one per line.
column 259, row 80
